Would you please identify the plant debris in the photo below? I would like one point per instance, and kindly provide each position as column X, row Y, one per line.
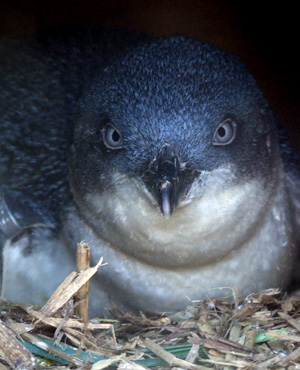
column 259, row 332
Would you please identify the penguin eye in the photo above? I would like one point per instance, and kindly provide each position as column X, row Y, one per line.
column 225, row 133
column 111, row 137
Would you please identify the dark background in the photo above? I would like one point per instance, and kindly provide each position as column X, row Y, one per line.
column 263, row 33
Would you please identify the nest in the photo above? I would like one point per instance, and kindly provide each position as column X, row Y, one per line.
column 260, row 332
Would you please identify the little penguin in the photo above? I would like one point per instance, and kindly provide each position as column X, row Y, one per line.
column 161, row 153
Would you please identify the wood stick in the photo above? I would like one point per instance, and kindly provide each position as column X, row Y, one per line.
column 13, row 351
column 83, row 262
column 68, row 288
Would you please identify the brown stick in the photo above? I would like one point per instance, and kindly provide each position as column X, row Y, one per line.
column 13, row 351
column 83, row 262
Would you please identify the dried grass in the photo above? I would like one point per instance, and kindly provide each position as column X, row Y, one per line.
column 260, row 332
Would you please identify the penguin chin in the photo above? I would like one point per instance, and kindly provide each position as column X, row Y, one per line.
column 219, row 216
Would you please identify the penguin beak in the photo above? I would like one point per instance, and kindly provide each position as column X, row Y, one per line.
column 167, row 181
column 165, row 202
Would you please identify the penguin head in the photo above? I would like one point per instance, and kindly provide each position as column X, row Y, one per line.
column 173, row 133
column 166, row 113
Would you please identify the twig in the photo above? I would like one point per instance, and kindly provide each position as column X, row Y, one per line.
column 169, row 358
column 13, row 352
column 68, row 288
column 83, row 262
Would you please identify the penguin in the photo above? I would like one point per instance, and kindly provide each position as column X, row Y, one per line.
column 160, row 152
